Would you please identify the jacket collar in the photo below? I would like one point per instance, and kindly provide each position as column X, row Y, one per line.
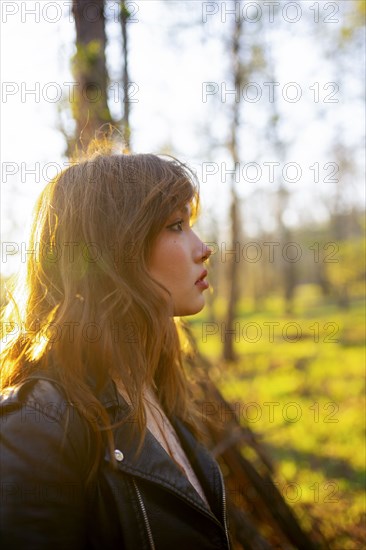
column 153, row 463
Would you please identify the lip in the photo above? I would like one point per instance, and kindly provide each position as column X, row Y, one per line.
column 201, row 282
column 202, row 276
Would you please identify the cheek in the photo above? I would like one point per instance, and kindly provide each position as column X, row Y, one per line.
column 174, row 263
column 176, row 273
column 167, row 260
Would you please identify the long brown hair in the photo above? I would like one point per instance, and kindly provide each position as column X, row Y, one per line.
column 88, row 304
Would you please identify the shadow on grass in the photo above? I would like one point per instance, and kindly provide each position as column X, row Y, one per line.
column 331, row 467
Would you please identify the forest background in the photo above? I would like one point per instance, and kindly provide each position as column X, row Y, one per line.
column 265, row 100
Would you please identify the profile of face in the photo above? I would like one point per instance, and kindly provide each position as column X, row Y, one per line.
column 177, row 262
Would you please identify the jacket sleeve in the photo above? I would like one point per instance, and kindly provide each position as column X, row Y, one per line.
column 42, row 490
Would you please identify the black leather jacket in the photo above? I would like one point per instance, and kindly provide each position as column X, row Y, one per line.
column 145, row 503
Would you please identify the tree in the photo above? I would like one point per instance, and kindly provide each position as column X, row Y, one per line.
column 89, row 106
column 243, row 65
column 233, row 265
column 125, row 14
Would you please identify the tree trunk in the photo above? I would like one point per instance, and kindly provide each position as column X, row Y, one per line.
column 233, row 264
column 89, row 106
column 287, row 267
column 289, row 272
column 125, row 14
column 233, row 271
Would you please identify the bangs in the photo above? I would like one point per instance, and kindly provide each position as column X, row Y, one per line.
column 181, row 194
column 177, row 189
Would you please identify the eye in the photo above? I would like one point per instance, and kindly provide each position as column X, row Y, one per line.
column 177, row 226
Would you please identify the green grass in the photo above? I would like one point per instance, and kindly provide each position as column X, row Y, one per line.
column 302, row 389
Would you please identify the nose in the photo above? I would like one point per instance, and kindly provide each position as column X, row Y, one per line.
column 204, row 251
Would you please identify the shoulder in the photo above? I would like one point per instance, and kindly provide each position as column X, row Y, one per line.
column 41, row 394
column 34, row 391
column 44, row 465
column 36, row 414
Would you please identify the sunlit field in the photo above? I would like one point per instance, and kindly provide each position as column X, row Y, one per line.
column 299, row 385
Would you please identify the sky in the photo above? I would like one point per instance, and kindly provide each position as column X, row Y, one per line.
column 181, row 92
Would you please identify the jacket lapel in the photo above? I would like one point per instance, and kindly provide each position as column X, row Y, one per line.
column 204, row 465
column 152, row 463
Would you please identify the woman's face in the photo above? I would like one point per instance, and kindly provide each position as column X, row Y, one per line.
column 176, row 261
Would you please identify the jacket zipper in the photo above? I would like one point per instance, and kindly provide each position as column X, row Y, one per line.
column 224, row 508
column 146, row 519
column 209, row 514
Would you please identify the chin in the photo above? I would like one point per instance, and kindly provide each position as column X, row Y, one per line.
column 189, row 309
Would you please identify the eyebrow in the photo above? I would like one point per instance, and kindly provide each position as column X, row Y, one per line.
column 186, row 210
column 183, row 211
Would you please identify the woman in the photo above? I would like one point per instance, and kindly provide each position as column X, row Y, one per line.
column 99, row 441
